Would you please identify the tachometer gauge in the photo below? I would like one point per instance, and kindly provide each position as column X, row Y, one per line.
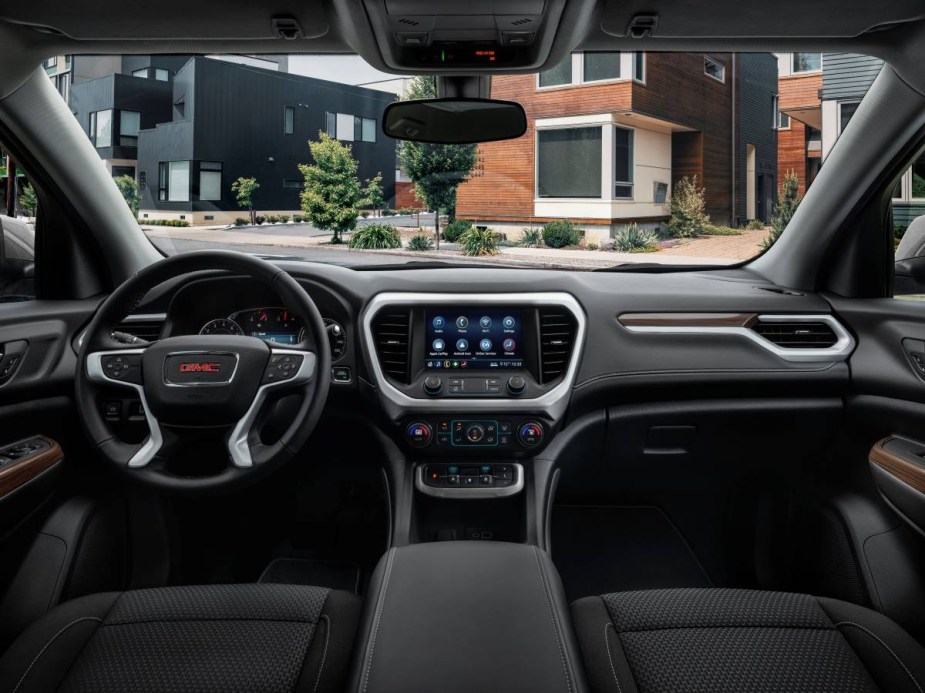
column 221, row 326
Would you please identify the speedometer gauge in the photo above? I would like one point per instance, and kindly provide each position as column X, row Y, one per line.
column 221, row 326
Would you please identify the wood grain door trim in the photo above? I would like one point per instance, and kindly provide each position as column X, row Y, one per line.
column 687, row 319
column 900, row 466
column 25, row 470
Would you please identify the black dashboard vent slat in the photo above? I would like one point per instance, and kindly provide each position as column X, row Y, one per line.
column 557, row 338
column 146, row 329
column 797, row 334
column 391, row 330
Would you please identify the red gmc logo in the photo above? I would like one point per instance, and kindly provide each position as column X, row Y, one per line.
column 196, row 367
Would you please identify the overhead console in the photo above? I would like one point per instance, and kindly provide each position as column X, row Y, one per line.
column 474, row 372
column 464, row 35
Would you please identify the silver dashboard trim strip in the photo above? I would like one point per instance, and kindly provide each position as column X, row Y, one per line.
column 470, row 493
column 553, row 402
column 839, row 351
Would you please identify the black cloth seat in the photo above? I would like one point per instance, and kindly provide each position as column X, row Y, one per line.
column 742, row 640
column 207, row 638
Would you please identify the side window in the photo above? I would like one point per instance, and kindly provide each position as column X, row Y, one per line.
column 17, row 243
column 908, row 207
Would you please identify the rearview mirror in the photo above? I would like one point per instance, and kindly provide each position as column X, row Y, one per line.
column 454, row 121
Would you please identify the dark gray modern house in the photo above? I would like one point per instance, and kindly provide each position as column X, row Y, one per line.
column 178, row 124
column 756, row 137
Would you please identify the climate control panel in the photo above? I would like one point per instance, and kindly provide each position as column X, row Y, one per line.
column 474, row 434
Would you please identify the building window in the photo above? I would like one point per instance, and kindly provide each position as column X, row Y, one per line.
column 288, row 120
column 101, row 128
column 210, row 181
column 161, row 75
column 330, row 124
column 143, row 73
column 639, row 66
column 346, row 127
column 64, row 85
column 173, row 181
column 558, row 75
column 118, row 171
column 50, row 64
column 714, row 68
column 623, row 164
column 364, row 129
column 781, row 121
column 806, row 62
column 918, row 179
column 569, row 162
column 129, row 125
column 601, row 66
column 661, row 193
column 293, row 184
column 845, row 114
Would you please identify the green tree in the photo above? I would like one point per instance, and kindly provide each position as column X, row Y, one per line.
column 784, row 208
column 129, row 189
column 436, row 169
column 28, row 202
column 372, row 193
column 688, row 212
column 332, row 190
column 244, row 189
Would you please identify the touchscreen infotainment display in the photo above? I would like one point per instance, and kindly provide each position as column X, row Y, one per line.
column 468, row 338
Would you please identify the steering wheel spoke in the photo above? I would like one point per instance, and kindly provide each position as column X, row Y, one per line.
column 287, row 369
column 122, row 368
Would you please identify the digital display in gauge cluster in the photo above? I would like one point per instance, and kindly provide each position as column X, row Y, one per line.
column 275, row 325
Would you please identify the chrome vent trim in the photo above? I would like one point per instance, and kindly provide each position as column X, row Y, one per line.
column 797, row 335
column 144, row 326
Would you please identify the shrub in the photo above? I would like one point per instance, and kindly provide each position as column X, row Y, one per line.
column 688, row 215
column 558, row 234
column 297, row 218
column 260, row 219
column 478, row 241
column 755, row 225
column 375, row 237
column 241, row 221
column 283, row 218
column 711, row 230
column 272, row 219
column 593, row 246
column 456, row 229
column 784, row 208
column 421, row 241
column 364, row 213
column 632, row 239
column 531, row 238
column 899, row 231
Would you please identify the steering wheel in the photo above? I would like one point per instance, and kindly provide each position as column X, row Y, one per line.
column 196, row 388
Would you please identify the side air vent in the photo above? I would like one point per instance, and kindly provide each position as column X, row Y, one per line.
column 797, row 335
column 557, row 338
column 390, row 332
column 147, row 328
column 522, row 21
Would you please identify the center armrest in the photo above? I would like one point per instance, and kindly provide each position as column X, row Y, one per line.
column 467, row 616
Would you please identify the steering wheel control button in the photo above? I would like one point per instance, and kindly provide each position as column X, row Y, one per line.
column 282, row 367
column 530, row 434
column 433, row 385
column 125, row 368
column 419, row 434
column 516, row 385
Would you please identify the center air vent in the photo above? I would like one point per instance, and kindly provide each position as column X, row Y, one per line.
column 797, row 335
column 390, row 332
column 557, row 338
column 146, row 328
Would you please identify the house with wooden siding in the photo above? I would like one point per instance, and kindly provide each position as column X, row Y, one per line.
column 799, row 121
column 610, row 133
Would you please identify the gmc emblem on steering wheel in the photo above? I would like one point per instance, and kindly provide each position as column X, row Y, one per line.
column 186, row 369
column 195, row 367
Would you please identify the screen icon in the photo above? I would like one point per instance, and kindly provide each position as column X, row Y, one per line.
column 455, row 364
column 485, row 345
column 509, row 344
column 439, row 323
column 461, row 345
column 485, row 321
column 462, row 322
column 439, row 345
column 508, row 322
column 446, row 364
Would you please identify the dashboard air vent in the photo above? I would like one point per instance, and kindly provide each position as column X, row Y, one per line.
column 557, row 337
column 390, row 332
column 147, row 328
column 797, row 335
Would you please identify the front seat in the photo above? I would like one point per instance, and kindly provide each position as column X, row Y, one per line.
column 210, row 638
column 742, row 640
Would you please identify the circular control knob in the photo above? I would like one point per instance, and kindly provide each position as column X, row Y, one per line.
column 433, row 385
column 475, row 433
column 516, row 385
column 419, row 434
column 530, row 434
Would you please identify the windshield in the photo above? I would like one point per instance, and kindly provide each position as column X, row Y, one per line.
column 666, row 158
